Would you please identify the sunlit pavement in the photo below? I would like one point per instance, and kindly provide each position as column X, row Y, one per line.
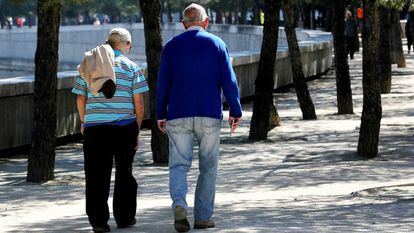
column 305, row 178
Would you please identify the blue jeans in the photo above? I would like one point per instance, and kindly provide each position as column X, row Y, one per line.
column 181, row 134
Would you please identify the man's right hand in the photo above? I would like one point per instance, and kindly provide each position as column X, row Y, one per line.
column 162, row 125
column 234, row 122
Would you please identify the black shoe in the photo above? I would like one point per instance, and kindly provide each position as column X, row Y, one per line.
column 133, row 222
column 102, row 229
column 180, row 219
column 204, row 224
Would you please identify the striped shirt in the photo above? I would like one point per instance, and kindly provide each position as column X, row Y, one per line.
column 118, row 110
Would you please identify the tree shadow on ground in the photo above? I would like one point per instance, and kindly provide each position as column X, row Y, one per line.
column 305, row 178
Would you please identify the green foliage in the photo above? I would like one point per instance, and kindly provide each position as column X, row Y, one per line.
column 398, row 5
column 393, row 4
column 17, row 8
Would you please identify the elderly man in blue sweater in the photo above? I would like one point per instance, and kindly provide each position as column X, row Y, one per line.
column 195, row 68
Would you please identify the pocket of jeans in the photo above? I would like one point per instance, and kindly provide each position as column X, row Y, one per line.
column 176, row 125
column 210, row 125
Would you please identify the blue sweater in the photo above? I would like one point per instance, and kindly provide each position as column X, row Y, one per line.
column 195, row 67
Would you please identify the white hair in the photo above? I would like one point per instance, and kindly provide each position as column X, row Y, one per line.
column 119, row 35
column 194, row 13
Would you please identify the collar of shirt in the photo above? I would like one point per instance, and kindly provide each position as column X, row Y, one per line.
column 195, row 28
column 117, row 52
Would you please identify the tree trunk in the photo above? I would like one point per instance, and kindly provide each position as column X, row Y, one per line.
column 219, row 16
column 256, row 12
column 265, row 116
column 411, row 15
column 153, row 48
column 236, row 11
column 41, row 160
column 397, row 49
column 169, row 13
column 329, row 20
column 243, row 12
column 312, row 17
column 161, row 11
column 305, row 15
column 371, row 111
column 302, row 92
column 343, row 81
column 385, row 50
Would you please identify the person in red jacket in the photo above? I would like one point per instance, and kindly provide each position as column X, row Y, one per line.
column 360, row 18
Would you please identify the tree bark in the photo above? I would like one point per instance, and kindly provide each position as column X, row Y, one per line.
column 385, row 50
column 305, row 15
column 411, row 15
column 397, row 49
column 256, row 12
column 243, row 12
column 343, row 81
column 219, row 16
column 372, row 110
column 236, row 5
column 153, row 48
column 169, row 13
column 41, row 160
column 265, row 116
column 302, row 92
column 329, row 19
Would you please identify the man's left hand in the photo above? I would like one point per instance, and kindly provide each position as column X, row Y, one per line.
column 162, row 125
column 137, row 146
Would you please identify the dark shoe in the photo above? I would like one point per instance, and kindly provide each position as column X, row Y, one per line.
column 133, row 222
column 101, row 229
column 180, row 219
column 204, row 224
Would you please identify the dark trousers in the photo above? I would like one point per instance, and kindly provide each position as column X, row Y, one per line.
column 350, row 45
column 101, row 145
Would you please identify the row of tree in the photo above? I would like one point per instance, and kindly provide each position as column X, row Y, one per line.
column 232, row 11
column 265, row 115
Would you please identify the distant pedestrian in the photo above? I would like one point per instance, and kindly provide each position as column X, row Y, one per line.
column 360, row 17
column 19, row 22
column 110, row 125
column 96, row 21
column 106, row 19
column 9, row 22
column 409, row 34
column 350, row 33
column 29, row 21
column 195, row 68
column 262, row 17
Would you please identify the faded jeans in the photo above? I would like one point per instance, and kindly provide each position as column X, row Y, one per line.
column 181, row 133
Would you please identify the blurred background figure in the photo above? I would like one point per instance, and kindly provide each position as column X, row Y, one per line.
column 360, row 18
column 350, row 33
column 9, row 22
column 408, row 33
column 96, row 21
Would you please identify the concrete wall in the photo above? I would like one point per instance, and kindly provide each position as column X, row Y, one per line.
column 18, row 46
column 16, row 93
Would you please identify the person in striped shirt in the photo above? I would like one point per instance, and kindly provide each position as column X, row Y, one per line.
column 110, row 127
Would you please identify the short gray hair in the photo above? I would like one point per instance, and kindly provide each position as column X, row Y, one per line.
column 118, row 35
column 194, row 13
